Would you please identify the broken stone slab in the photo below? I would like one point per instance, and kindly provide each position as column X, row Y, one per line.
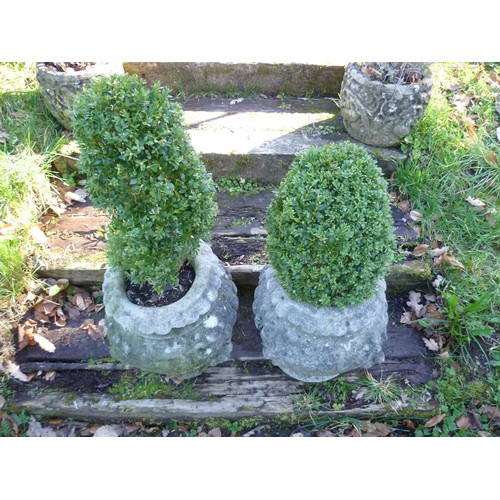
column 227, row 77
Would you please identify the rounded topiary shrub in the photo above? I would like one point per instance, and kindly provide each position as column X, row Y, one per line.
column 143, row 172
column 330, row 235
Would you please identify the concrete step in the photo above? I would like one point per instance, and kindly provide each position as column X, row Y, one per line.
column 225, row 77
column 257, row 138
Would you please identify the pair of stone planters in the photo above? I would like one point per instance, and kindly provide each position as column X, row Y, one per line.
column 314, row 344
column 181, row 339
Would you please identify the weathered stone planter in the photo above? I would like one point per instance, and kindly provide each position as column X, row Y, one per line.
column 181, row 339
column 59, row 88
column 381, row 114
column 314, row 344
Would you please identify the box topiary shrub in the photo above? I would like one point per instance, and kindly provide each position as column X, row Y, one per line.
column 330, row 236
column 143, row 172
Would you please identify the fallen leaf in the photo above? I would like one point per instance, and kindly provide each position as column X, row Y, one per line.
column 50, row 376
column 433, row 312
column 297, row 434
column 491, row 411
column 4, row 137
column 236, row 101
column 451, row 261
column 463, row 422
column 437, row 282
column 109, row 431
column 471, row 130
column 414, row 303
column 25, row 333
column 45, row 344
column 2, row 401
column 71, row 196
column 404, row 205
column 430, row 297
column 437, row 252
column 35, row 429
column 420, row 250
column 492, row 159
column 61, row 319
column 407, row 317
column 73, row 312
column 432, row 422
column 416, row 216
column 14, row 371
column 431, row 344
column 37, row 235
column 409, row 424
column 40, row 316
column 475, row 202
column 325, row 433
column 373, row 429
column 461, row 100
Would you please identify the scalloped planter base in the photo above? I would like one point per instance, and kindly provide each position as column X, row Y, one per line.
column 314, row 344
column 181, row 339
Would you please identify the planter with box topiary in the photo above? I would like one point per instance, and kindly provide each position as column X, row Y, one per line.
column 381, row 102
column 320, row 304
column 170, row 304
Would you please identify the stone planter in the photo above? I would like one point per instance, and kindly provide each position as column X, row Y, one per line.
column 314, row 344
column 59, row 88
column 381, row 114
column 181, row 339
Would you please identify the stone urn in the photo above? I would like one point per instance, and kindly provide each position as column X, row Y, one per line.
column 314, row 344
column 60, row 87
column 381, row 114
column 181, row 339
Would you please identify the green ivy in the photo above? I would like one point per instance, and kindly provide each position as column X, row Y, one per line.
column 143, row 172
column 330, row 235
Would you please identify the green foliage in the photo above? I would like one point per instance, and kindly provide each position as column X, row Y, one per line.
column 238, row 185
column 142, row 170
column 143, row 385
column 330, row 235
column 453, row 154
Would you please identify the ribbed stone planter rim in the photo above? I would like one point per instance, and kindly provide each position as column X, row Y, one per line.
column 197, row 301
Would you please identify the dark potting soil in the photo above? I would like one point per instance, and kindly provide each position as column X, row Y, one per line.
column 144, row 295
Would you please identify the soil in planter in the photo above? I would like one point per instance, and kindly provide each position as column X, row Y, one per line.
column 144, row 295
column 69, row 67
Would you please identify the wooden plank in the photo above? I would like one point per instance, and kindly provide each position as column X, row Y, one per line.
column 103, row 408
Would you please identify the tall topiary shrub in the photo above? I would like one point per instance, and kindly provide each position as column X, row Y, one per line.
column 330, row 235
column 143, row 172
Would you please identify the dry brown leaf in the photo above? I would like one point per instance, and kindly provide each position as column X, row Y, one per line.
column 415, row 215
column 409, row 424
column 407, row 317
column 471, row 130
column 2, row 401
column 61, row 319
column 492, row 159
column 437, row 252
column 451, row 261
column 325, row 433
column 73, row 312
column 25, row 333
column 475, row 202
column 73, row 196
column 404, row 205
column 433, row 312
column 51, row 375
column 40, row 316
column 109, row 431
column 373, row 429
column 420, row 250
column 414, row 303
column 45, row 344
column 491, row 411
column 432, row 422
column 463, row 422
column 14, row 371
column 431, row 344
column 430, row 297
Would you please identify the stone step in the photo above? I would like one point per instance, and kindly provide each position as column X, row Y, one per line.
column 258, row 138
column 75, row 247
column 247, row 386
column 228, row 78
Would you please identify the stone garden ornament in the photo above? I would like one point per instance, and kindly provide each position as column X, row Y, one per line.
column 381, row 102
column 60, row 82
column 320, row 305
